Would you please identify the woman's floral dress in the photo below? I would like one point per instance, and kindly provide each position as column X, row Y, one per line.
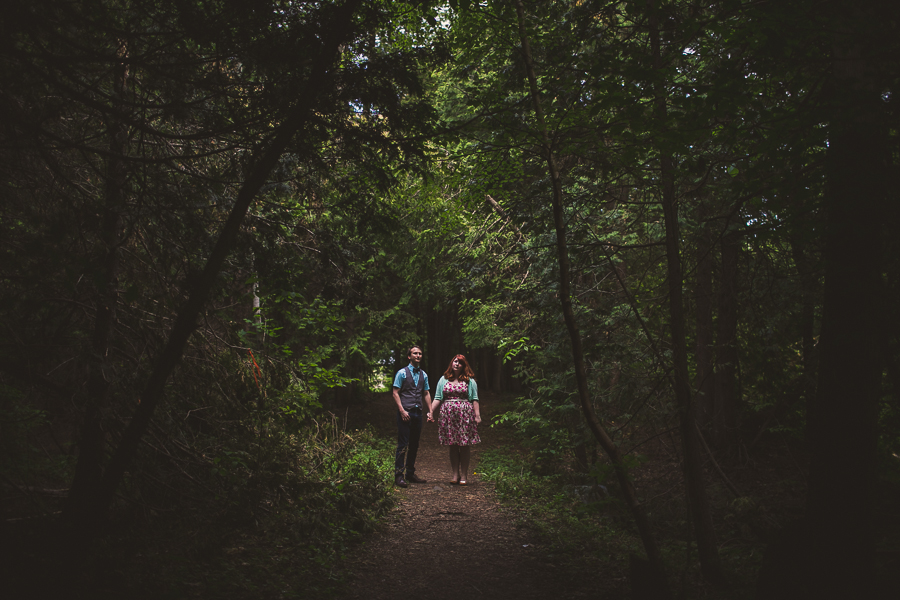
column 457, row 426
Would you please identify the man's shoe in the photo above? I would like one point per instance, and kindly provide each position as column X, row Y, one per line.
column 400, row 482
column 413, row 478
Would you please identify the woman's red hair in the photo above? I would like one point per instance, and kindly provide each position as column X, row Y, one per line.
column 464, row 375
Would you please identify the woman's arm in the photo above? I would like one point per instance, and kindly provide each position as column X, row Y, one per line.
column 473, row 398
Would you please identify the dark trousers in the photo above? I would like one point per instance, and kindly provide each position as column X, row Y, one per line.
column 408, row 434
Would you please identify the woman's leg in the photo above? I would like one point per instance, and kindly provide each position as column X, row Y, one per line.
column 454, row 464
column 464, row 455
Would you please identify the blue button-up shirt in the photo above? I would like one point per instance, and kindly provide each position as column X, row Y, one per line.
column 401, row 375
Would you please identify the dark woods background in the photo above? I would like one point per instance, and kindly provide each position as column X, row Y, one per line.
column 664, row 229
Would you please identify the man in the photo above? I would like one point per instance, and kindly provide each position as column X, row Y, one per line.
column 411, row 394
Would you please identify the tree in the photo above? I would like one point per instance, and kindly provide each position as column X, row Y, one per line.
column 203, row 118
column 843, row 419
column 565, row 299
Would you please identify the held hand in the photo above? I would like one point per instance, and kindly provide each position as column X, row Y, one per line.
column 430, row 418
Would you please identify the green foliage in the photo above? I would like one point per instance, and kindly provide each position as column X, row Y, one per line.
column 129, row 159
column 572, row 520
column 481, row 326
column 289, row 506
column 537, row 419
column 515, row 348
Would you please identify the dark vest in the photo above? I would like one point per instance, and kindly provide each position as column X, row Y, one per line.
column 412, row 395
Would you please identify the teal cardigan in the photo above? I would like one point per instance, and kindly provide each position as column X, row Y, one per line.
column 439, row 390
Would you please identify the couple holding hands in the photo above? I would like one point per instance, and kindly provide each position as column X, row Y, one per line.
column 457, row 392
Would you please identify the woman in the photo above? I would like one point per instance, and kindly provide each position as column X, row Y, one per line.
column 460, row 415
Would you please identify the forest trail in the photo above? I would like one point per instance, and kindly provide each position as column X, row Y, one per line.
column 444, row 541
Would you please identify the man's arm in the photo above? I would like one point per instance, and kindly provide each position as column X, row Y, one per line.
column 428, row 404
column 438, row 397
column 403, row 414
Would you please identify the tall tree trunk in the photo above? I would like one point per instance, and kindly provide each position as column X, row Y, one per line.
column 93, row 512
column 807, row 278
column 565, row 298
column 726, row 396
column 497, row 383
column 842, row 421
column 89, row 467
column 444, row 335
column 695, row 480
column 704, row 343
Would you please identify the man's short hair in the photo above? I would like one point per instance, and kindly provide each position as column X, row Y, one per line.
column 409, row 352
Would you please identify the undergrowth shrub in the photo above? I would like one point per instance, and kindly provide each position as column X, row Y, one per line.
column 570, row 519
column 307, row 494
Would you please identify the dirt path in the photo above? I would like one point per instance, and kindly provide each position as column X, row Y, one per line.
column 444, row 541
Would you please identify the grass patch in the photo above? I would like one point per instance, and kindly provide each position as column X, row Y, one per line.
column 576, row 526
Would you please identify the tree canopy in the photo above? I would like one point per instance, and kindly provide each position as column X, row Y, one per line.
column 222, row 220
